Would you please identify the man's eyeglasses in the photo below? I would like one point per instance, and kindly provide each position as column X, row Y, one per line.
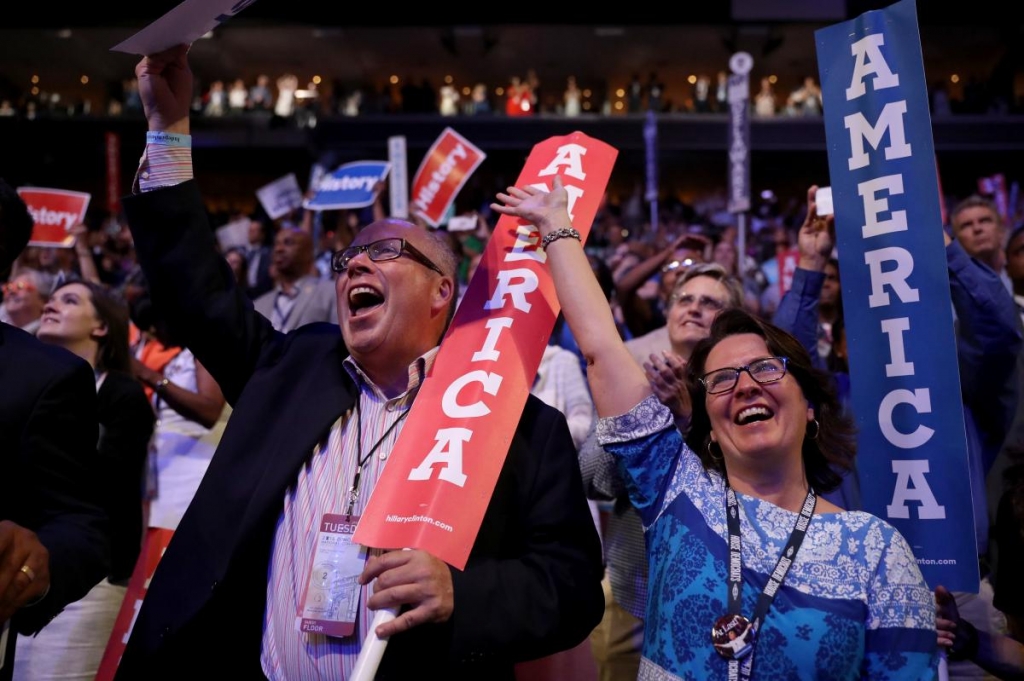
column 379, row 251
column 16, row 286
column 676, row 264
column 764, row 370
column 706, row 303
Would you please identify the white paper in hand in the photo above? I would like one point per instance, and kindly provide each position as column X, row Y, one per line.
column 183, row 25
column 823, row 201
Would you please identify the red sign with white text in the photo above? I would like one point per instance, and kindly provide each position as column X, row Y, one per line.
column 445, row 168
column 787, row 268
column 153, row 549
column 436, row 487
column 55, row 212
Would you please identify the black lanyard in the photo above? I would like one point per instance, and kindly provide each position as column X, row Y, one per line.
column 353, row 491
column 764, row 601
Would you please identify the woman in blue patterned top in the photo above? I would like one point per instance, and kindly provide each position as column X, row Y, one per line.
column 752, row 574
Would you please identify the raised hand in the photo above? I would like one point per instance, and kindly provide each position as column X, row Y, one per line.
column 816, row 237
column 165, row 87
column 667, row 375
column 546, row 211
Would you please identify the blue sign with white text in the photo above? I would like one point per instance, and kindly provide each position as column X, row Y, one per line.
column 912, row 447
column 352, row 185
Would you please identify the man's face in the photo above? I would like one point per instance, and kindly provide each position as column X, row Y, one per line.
column 255, row 233
column 392, row 311
column 980, row 233
column 293, row 253
column 23, row 301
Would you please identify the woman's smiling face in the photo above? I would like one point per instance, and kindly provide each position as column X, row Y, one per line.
column 754, row 421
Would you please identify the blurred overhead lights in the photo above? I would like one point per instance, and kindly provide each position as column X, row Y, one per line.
column 316, row 80
column 954, row 78
column 393, row 80
column 35, row 79
column 620, row 92
column 64, row 33
column 85, row 80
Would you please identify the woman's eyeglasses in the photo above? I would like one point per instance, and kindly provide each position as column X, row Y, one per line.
column 764, row 370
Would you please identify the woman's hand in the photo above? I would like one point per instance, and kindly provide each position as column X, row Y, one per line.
column 667, row 375
column 546, row 211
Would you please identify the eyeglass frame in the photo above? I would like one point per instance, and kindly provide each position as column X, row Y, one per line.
column 9, row 287
column 404, row 247
column 740, row 370
column 676, row 264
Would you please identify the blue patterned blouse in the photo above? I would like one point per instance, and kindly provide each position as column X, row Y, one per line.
column 853, row 606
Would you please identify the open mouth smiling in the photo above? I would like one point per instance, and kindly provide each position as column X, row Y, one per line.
column 363, row 299
column 753, row 415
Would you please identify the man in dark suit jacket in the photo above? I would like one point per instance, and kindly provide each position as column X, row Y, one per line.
column 53, row 543
column 258, row 257
column 532, row 583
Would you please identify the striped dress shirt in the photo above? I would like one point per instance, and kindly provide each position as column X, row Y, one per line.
column 322, row 487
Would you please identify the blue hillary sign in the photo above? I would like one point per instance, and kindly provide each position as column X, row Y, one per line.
column 896, row 297
column 352, row 185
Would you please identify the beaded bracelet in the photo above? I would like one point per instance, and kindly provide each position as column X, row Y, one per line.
column 563, row 233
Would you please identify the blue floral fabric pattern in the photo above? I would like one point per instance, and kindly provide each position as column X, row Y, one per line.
column 853, row 606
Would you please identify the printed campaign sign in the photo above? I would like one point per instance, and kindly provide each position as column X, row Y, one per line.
column 281, row 196
column 55, row 212
column 153, row 547
column 234, row 234
column 352, row 185
column 739, row 132
column 896, row 297
column 787, row 268
column 445, row 168
column 445, row 464
column 184, row 24
column 398, row 188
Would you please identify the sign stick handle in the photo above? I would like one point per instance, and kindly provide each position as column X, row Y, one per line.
column 373, row 648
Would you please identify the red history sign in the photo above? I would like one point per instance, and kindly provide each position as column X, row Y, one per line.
column 435, row 490
column 445, row 168
column 55, row 212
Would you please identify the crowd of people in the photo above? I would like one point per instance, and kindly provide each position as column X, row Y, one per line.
column 286, row 98
column 689, row 423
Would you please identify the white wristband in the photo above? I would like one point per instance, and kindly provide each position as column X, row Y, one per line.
column 168, row 139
